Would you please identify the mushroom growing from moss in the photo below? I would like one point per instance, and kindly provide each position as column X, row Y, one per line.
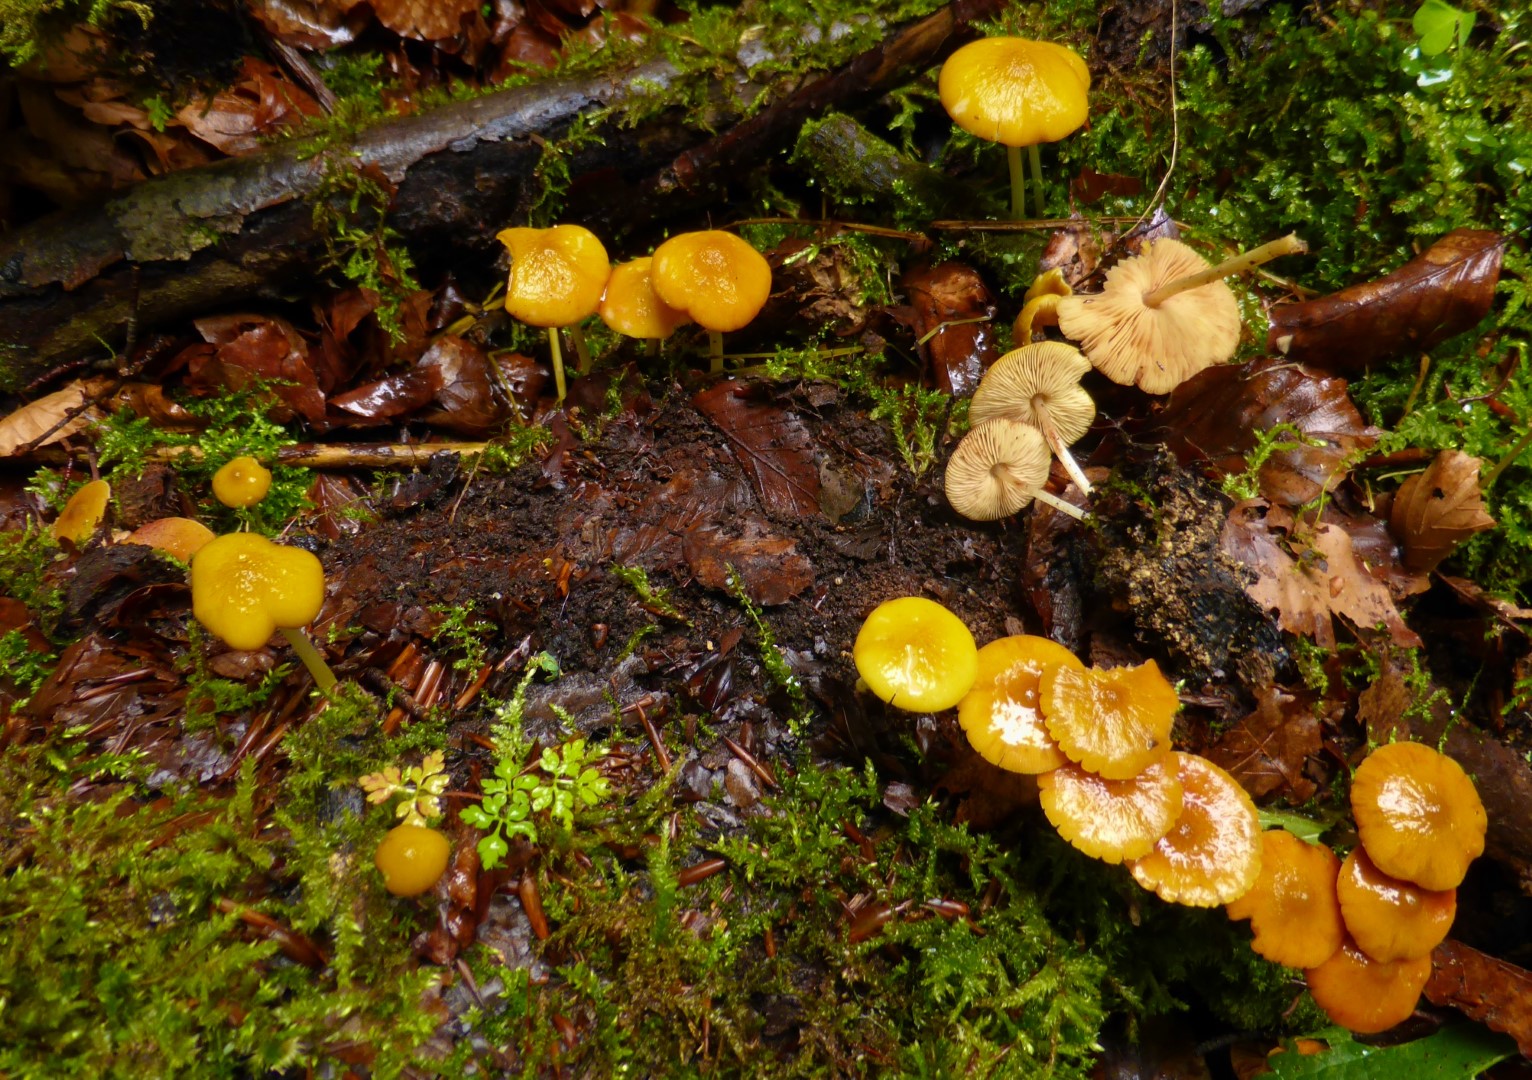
column 244, row 587
column 716, row 278
column 1418, row 815
column 241, row 482
column 411, row 858
column 1391, row 919
column 1018, row 93
column 83, row 512
column 997, row 469
column 1366, row 995
column 631, row 307
column 557, row 278
column 916, row 655
column 1001, row 715
column 1112, row 820
column 1212, row 855
column 1040, row 385
column 1293, row 911
column 1113, row 722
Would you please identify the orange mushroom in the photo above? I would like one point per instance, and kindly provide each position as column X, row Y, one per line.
column 82, row 513
column 241, row 482
column 411, row 858
column 1292, row 907
column 557, row 278
column 916, row 655
column 1366, row 995
column 632, row 307
column 1212, row 855
column 1391, row 919
column 1112, row 820
column 1115, row 722
column 178, row 536
column 1000, row 714
column 1418, row 815
column 716, row 278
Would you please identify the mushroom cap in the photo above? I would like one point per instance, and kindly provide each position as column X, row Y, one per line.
column 83, row 512
column 1046, row 374
column 1367, row 995
column 632, row 307
column 1292, row 907
column 1001, row 714
column 1391, row 919
column 557, row 275
column 1158, row 348
column 718, row 279
column 1114, row 722
column 411, row 858
column 1212, row 854
column 1112, row 820
column 178, row 536
column 1014, row 91
column 241, row 481
column 244, row 587
column 916, row 655
column 1418, row 815
column 995, row 469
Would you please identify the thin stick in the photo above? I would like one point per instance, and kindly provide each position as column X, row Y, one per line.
column 1510, row 455
column 558, row 361
column 1060, row 450
column 1018, row 183
column 1284, row 245
column 324, row 678
column 1058, row 504
column 715, row 351
column 582, row 350
column 1035, row 157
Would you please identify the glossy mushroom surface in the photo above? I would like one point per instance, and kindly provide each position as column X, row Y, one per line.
column 83, row 512
column 1212, row 854
column 1366, row 995
column 1112, row 820
column 411, row 858
column 716, row 278
column 241, row 482
column 1418, row 815
column 1015, row 91
column 178, row 536
column 1001, row 714
column 632, row 307
column 557, row 274
column 1391, row 919
column 916, row 655
column 1294, row 914
column 244, row 587
column 1113, row 722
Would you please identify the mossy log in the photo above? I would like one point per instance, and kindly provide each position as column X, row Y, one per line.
column 79, row 283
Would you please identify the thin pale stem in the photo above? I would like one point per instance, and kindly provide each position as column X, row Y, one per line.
column 582, row 350
column 1018, row 183
column 324, row 678
column 715, row 351
column 1510, row 455
column 1058, row 504
column 558, row 362
column 1285, row 245
column 1035, row 157
column 1060, row 450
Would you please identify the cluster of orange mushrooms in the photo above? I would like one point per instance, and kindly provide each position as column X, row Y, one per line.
column 562, row 275
column 1110, row 782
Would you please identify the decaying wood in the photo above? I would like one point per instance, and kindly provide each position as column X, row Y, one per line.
column 74, row 284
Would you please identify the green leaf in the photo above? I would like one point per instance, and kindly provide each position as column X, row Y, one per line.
column 492, row 849
column 1456, row 1052
column 1439, row 26
column 1301, row 827
column 476, row 817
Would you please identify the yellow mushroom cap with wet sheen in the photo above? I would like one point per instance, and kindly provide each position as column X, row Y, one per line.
column 1391, row 919
column 1001, row 715
column 242, row 481
column 244, row 587
column 1014, row 91
column 632, row 307
column 1212, row 854
column 557, row 274
column 83, row 512
column 1114, row 722
column 1418, row 815
column 1293, row 911
column 916, row 655
column 1366, row 995
column 1156, row 347
column 1046, row 374
column 996, row 469
column 1112, row 820
column 411, row 858
column 714, row 276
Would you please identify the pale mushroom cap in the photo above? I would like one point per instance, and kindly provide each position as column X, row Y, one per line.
column 632, row 307
column 1002, row 714
column 995, row 469
column 1213, row 853
column 1112, row 820
column 1048, row 373
column 557, row 275
column 714, row 276
column 1157, row 348
column 1014, row 91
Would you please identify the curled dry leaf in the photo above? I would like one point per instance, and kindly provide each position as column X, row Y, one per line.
column 424, row 20
column 1497, row 994
column 1266, row 751
column 1217, row 415
column 952, row 292
column 259, row 103
column 52, row 417
column 1441, row 292
column 1438, row 509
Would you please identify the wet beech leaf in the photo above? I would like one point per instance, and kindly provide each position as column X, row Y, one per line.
column 250, row 348
column 1491, row 991
column 399, row 394
column 772, row 445
column 47, row 420
column 1266, row 751
column 952, row 292
column 1455, row 1052
column 771, row 568
column 1435, row 511
column 1218, row 415
column 1441, row 292
column 423, row 20
column 261, row 102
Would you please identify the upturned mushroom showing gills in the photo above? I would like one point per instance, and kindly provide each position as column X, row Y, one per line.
column 1294, row 914
column 1366, row 995
column 717, row 279
column 1418, row 815
column 1001, row 714
column 557, row 278
column 631, row 307
column 1163, row 315
column 1040, row 385
column 1018, row 93
column 1112, row 820
column 244, row 587
column 916, row 655
column 1212, row 855
column 1113, row 722
column 997, row 469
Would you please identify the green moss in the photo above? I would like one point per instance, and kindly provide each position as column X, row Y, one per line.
column 27, row 26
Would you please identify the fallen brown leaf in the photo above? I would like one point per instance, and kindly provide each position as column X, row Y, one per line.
column 1435, row 511
column 1491, row 991
column 257, row 347
column 772, row 445
column 1266, row 751
column 48, row 419
column 1441, row 292
column 952, row 292
column 424, row 20
column 771, row 569
column 259, row 103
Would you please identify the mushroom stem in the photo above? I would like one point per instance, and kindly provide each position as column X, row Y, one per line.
column 1058, row 504
column 1060, row 450
column 558, row 361
column 715, row 351
column 1018, row 183
column 582, row 350
column 324, row 678
column 1035, row 157
column 651, row 347
column 1286, row 245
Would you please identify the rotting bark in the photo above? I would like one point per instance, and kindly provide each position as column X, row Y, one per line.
column 219, row 235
